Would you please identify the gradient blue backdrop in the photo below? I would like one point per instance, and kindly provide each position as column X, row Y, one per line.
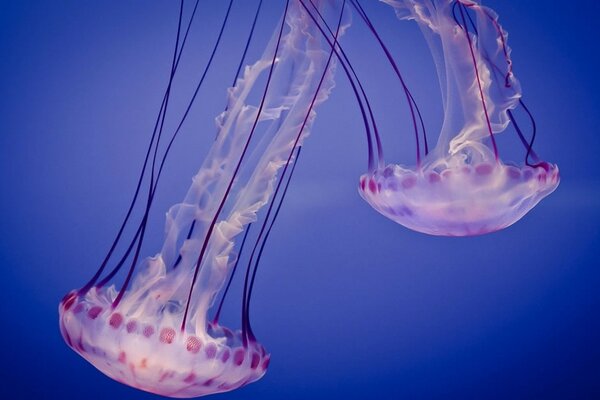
column 350, row 304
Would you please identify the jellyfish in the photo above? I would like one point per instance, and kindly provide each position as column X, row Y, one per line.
column 461, row 186
column 155, row 325
column 154, row 331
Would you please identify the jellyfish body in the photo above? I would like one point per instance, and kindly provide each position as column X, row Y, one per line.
column 462, row 187
column 458, row 200
column 155, row 356
column 156, row 335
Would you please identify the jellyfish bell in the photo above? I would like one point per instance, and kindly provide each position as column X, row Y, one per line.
column 462, row 187
column 156, row 356
column 154, row 332
column 458, row 198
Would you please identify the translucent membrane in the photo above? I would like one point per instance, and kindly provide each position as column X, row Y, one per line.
column 462, row 187
column 154, row 355
column 458, row 201
column 140, row 340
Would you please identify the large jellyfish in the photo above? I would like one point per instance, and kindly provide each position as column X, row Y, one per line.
column 154, row 332
column 462, row 187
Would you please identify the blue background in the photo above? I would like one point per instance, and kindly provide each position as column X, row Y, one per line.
column 350, row 304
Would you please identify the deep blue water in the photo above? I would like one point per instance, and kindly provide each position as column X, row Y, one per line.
column 350, row 304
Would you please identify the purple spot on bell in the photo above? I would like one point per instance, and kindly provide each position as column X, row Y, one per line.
column 409, row 182
column 225, row 355
column 254, row 361
column 513, row 173
column 211, row 350
column 372, row 186
column 238, row 357
column 484, row 169
column 433, row 177
column 94, row 312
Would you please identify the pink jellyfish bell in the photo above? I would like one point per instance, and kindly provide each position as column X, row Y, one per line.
column 462, row 187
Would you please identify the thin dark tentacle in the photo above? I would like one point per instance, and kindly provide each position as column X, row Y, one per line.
column 246, row 329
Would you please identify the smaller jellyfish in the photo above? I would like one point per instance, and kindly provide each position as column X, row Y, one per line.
column 159, row 329
column 462, row 187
